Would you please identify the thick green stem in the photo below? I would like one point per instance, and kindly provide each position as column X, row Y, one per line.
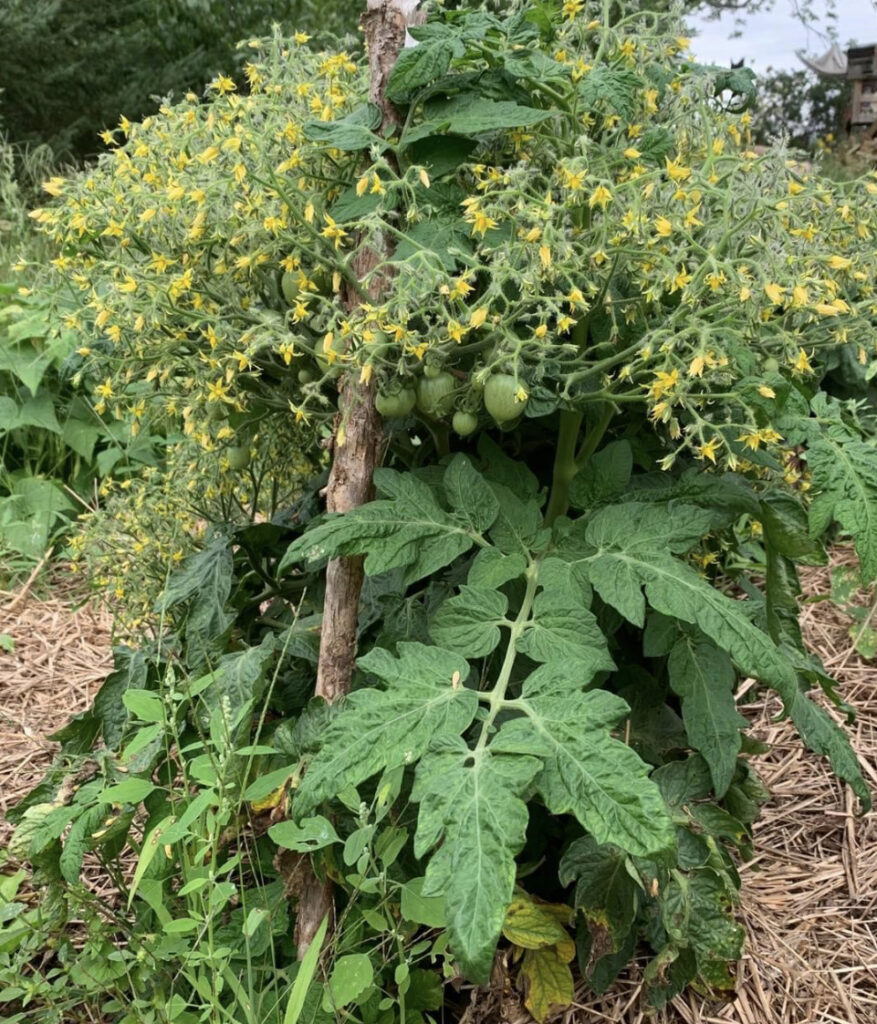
column 595, row 436
column 565, row 467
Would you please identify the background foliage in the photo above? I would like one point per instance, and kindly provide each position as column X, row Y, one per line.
column 71, row 69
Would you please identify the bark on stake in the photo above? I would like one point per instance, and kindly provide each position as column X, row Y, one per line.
column 356, row 452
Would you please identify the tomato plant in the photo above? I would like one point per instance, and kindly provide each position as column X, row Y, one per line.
column 565, row 223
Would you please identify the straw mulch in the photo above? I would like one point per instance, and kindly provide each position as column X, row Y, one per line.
column 809, row 896
column 61, row 655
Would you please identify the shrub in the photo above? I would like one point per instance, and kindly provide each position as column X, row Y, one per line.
column 626, row 310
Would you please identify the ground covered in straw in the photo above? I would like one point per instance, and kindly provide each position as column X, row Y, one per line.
column 809, row 896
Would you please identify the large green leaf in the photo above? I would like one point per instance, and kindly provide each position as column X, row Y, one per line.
column 605, row 890
column 622, row 567
column 417, row 66
column 407, row 530
column 355, row 131
column 423, row 697
column 704, row 677
column 844, row 481
column 618, row 88
column 26, row 362
column 473, row 114
column 237, row 683
column 562, row 628
column 605, row 475
column 470, row 495
column 470, row 803
column 587, row 772
column 469, row 622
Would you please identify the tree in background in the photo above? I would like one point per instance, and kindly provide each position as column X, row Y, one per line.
column 70, row 68
column 801, row 106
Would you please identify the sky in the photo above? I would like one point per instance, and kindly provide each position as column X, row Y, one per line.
column 770, row 39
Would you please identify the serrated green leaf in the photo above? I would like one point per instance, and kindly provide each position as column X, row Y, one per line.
column 424, row 697
column 491, row 568
column 606, row 474
column 469, row 623
column 469, row 494
column 618, row 88
column 237, row 682
column 562, row 628
column 704, row 677
column 674, row 588
column 635, row 528
column 355, row 131
column 443, row 237
column 78, row 841
column 712, row 930
column 470, row 802
column 407, row 530
column 208, row 573
column 605, row 890
column 513, row 474
column 655, row 145
column 681, row 782
column 844, row 483
column 419, row 65
column 587, row 772
column 518, row 528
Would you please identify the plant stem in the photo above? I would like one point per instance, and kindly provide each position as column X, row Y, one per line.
column 497, row 697
column 565, row 467
column 595, row 436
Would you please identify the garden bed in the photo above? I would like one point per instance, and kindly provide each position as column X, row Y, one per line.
column 809, row 894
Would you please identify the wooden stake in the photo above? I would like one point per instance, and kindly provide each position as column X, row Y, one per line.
column 357, row 441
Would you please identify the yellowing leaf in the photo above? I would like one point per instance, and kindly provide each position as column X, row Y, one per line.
column 532, row 926
column 269, row 802
column 549, row 982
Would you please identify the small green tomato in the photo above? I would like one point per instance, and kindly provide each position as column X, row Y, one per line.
column 290, row 285
column 238, row 457
column 435, row 395
column 395, row 403
column 464, row 423
column 501, row 398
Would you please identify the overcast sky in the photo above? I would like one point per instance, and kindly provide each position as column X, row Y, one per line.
column 771, row 39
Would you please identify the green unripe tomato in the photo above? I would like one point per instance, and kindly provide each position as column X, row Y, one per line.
column 771, row 365
column 290, row 285
column 305, row 376
column 500, row 398
column 217, row 411
column 435, row 395
column 238, row 457
column 396, row 403
column 464, row 423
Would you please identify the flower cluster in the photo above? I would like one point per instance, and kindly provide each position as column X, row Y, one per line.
column 622, row 241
